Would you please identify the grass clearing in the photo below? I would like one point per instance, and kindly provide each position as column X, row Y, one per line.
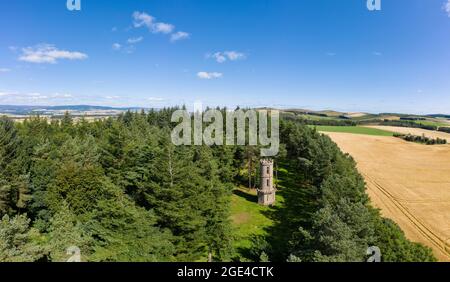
column 354, row 130
column 249, row 219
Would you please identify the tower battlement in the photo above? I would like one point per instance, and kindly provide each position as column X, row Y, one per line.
column 266, row 162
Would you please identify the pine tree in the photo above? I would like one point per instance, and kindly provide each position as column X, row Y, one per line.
column 64, row 232
column 19, row 242
column 14, row 184
column 80, row 186
column 126, row 233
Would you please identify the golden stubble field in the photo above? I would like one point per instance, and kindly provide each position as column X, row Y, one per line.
column 409, row 182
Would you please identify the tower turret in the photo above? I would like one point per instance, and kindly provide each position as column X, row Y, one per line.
column 266, row 191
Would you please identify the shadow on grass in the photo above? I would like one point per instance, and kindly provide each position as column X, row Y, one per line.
column 296, row 210
column 246, row 196
column 243, row 254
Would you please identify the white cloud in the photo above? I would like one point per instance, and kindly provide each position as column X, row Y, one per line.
column 222, row 57
column 116, row 46
column 48, row 54
column 135, row 40
column 375, row 53
column 145, row 20
column 112, row 97
column 62, row 96
column 155, row 99
column 209, row 75
column 447, row 7
column 36, row 96
column 233, row 55
column 129, row 49
column 114, row 29
column 142, row 19
column 3, row 70
column 163, row 28
column 180, row 35
column 33, row 97
column 219, row 57
column 330, row 54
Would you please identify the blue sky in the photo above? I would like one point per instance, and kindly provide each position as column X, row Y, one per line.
column 316, row 54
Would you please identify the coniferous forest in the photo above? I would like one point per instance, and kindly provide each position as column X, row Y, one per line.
column 119, row 190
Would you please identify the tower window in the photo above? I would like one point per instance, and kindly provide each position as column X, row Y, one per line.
column 268, row 170
column 267, row 182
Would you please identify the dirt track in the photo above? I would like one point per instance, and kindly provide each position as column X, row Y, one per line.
column 409, row 182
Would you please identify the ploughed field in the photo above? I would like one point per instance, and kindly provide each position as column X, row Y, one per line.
column 409, row 182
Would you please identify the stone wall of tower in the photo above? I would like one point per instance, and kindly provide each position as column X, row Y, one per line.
column 266, row 191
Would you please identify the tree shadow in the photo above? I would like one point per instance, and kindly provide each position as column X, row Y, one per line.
column 295, row 211
column 246, row 196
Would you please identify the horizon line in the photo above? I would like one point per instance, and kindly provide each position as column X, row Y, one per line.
column 281, row 108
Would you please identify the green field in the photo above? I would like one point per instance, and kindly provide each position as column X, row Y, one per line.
column 433, row 123
column 354, row 130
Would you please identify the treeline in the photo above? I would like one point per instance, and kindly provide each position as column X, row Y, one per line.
column 323, row 121
column 412, row 118
column 330, row 122
column 121, row 191
column 444, row 129
column 421, row 139
column 407, row 123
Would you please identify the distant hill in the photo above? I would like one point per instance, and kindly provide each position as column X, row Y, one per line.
column 439, row 116
column 51, row 110
column 21, row 111
column 331, row 117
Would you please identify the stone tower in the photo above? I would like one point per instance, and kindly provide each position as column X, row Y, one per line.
column 266, row 191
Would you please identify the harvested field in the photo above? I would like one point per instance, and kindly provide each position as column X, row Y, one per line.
column 390, row 117
column 409, row 182
column 413, row 131
column 355, row 115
